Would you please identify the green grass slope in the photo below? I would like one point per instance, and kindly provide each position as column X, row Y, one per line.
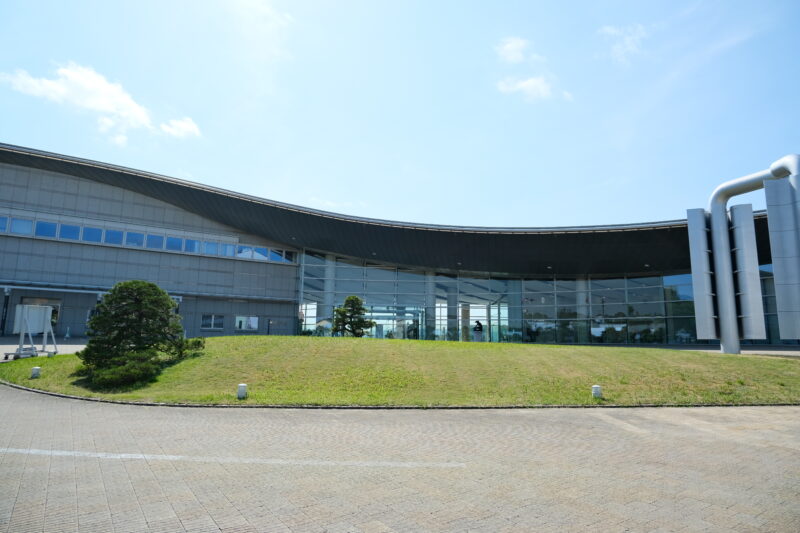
column 347, row 371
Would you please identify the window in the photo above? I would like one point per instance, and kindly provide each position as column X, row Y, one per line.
column 244, row 252
column 289, row 257
column 277, row 255
column 246, row 323
column 260, row 253
column 45, row 229
column 113, row 236
column 133, row 238
column 210, row 248
column 229, row 250
column 68, row 231
column 20, row 226
column 92, row 234
column 3, row 223
column 191, row 246
column 175, row 244
column 155, row 242
column 215, row 322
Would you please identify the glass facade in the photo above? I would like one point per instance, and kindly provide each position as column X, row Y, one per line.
column 417, row 304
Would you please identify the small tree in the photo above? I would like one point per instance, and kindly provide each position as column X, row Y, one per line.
column 349, row 319
column 134, row 321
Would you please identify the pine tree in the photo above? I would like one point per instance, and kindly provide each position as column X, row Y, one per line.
column 349, row 320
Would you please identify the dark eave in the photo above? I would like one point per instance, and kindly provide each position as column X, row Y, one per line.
column 612, row 249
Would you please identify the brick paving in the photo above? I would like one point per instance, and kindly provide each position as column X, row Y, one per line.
column 70, row 465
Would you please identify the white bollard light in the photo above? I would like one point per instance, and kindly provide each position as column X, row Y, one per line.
column 35, row 372
column 597, row 391
column 241, row 393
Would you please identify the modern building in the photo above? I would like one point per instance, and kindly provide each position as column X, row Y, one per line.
column 70, row 228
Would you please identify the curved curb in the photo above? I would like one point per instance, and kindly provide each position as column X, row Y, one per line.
column 387, row 407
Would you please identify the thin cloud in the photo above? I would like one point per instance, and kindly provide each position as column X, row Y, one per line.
column 534, row 88
column 184, row 127
column 515, row 50
column 84, row 88
column 627, row 41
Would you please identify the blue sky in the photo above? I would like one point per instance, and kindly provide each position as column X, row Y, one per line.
column 476, row 113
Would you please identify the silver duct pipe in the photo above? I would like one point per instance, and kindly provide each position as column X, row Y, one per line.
column 723, row 268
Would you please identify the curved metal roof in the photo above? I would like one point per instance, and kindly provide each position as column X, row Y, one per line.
column 609, row 249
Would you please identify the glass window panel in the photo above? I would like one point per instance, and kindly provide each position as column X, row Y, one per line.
column 573, row 331
column 3, row 223
column 770, row 305
column 21, row 226
column 611, row 283
column 410, row 287
column 410, row 299
column 92, row 234
column 276, row 255
column 175, row 244
column 289, row 256
column 410, row 275
column 244, row 252
column 219, row 321
column 113, row 236
column 499, row 285
column 572, row 298
column 681, row 330
column 133, row 238
column 380, row 286
column 610, row 310
column 228, row 250
column 380, row 273
column 651, row 281
column 678, row 292
column 607, row 297
column 260, row 253
column 566, row 284
column 349, row 285
column 210, row 248
column 70, row 232
column 609, row 331
column 678, row 279
column 246, row 323
column 646, row 309
column 313, row 284
column 45, row 229
column 645, row 294
column 539, row 331
column 379, row 299
column 538, row 285
column 766, row 270
column 155, row 242
column 473, row 285
column 647, row 331
column 572, row 311
column 349, row 272
column 767, row 286
column 212, row 322
column 191, row 246
column 314, row 271
column 539, row 311
column 206, row 322
column 483, row 299
column 313, row 297
column 310, row 258
column 680, row 308
column 542, row 298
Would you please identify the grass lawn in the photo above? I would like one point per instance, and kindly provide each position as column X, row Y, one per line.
column 347, row 371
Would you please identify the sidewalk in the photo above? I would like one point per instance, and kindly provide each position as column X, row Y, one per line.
column 10, row 343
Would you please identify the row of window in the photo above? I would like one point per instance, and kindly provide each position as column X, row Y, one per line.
column 240, row 322
column 135, row 239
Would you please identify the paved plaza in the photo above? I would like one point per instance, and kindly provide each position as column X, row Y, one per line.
column 71, row 465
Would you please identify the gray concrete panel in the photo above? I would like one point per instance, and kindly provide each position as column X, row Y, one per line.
column 751, row 305
column 783, row 209
column 701, row 274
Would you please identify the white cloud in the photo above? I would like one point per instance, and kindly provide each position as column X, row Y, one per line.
column 84, row 88
column 535, row 88
column 626, row 41
column 184, row 127
column 512, row 49
column 515, row 50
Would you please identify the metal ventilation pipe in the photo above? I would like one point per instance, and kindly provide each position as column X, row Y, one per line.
column 723, row 268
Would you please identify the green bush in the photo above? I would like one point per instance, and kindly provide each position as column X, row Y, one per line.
column 129, row 369
column 181, row 348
